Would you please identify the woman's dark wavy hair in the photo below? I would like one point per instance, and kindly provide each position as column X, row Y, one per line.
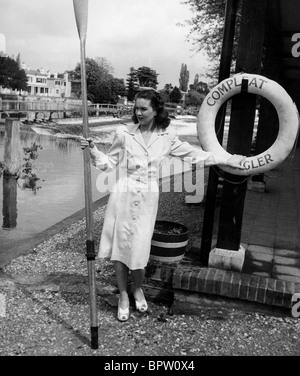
column 162, row 120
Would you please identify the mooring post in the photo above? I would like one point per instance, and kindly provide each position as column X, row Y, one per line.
column 9, row 210
column 12, row 165
column 12, row 147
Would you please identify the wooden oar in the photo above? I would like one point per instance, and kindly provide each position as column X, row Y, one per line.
column 81, row 15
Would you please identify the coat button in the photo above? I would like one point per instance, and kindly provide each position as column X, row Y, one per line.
column 146, row 154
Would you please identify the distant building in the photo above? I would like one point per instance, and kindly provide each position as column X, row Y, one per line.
column 45, row 84
column 41, row 83
column 37, row 83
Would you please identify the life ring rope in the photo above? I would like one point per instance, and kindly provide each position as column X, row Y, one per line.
column 287, row 114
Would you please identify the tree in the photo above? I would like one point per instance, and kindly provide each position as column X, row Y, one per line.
column 102, row 87
column 11, row 76
column 104, row 65
column 93, row 72
column 196, row 80
column 107, row 90
column 193, row 98
column 168, row 88
column 194, row 85
column 118, row 89
column 202, row 88
column 165, row 93
column 132, row 84
column 175, row 95
column 101, row 92
column 207, row 29
column 184, row 78
column 147, row 77
column 141, row 77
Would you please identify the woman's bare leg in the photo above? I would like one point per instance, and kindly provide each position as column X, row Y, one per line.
column 137, row 279
column 122, row 281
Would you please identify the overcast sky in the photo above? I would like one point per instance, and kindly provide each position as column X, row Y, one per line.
column 128, row 33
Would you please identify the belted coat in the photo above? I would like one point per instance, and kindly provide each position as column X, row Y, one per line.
column 132, row 206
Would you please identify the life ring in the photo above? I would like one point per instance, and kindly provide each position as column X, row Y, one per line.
column 255, row 84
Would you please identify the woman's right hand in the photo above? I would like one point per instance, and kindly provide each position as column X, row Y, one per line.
column 86, row 142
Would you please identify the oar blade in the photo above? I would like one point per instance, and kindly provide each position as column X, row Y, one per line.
column 81, row 16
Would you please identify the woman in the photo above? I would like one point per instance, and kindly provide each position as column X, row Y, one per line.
column 138, row 150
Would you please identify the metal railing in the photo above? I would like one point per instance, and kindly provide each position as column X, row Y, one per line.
column 10, row 105
column 32, row 108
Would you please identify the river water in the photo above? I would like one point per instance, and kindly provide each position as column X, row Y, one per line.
column 60, row 193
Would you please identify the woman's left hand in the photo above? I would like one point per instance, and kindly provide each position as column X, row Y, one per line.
column 84, row 142
column 235, row 161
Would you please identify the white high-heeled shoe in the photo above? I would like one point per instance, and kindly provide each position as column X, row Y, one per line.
column 123, row 314
column 142, row 305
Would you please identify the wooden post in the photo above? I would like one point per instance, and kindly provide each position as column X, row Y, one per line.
column 9, row 202
column 12, row 162
column 242, row 121
column 268, row 123
column 224, row 72
column 12, row 148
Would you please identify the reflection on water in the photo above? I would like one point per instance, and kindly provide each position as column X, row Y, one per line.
column 59, row 167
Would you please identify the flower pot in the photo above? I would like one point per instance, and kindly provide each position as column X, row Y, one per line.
column 169, row 241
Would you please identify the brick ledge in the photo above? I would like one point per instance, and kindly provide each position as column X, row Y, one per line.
column 235, row 285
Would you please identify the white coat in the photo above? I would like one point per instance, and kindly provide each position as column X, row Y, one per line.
column 132, row 206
